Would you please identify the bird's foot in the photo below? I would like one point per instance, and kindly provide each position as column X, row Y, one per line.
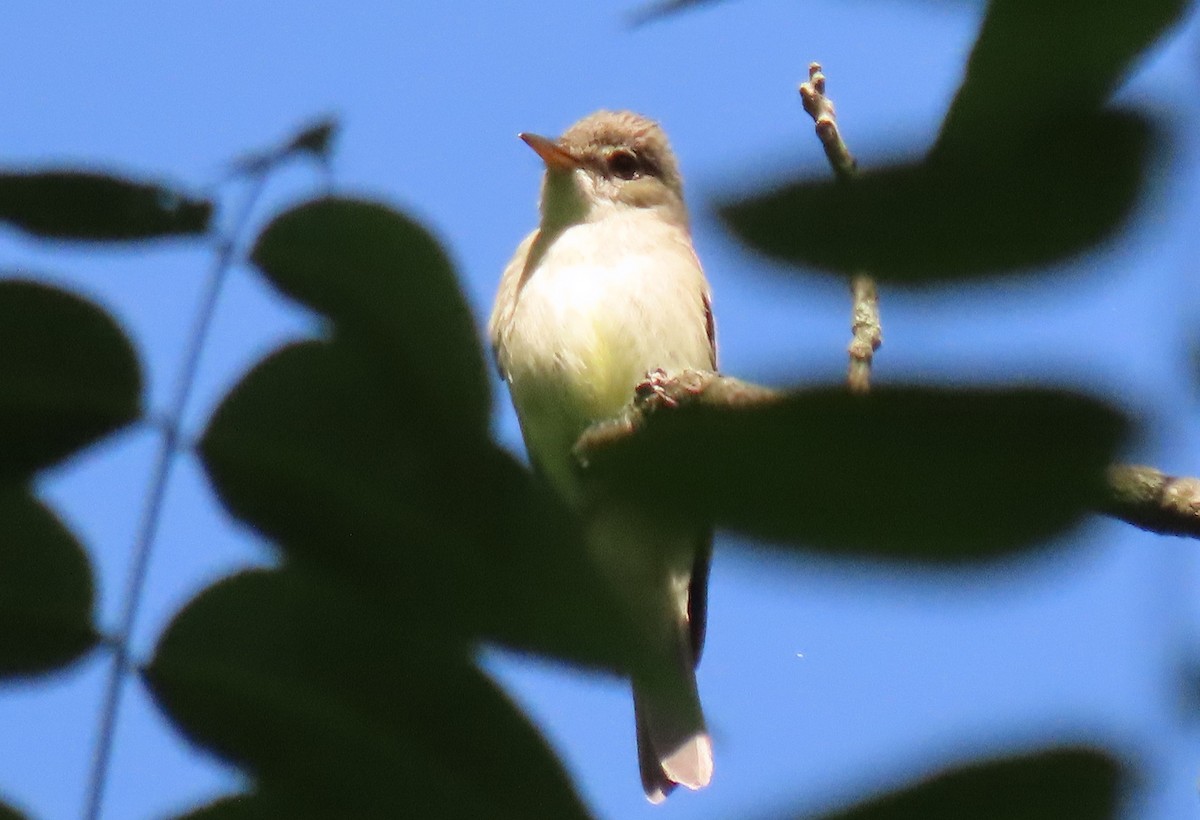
column 651, row 392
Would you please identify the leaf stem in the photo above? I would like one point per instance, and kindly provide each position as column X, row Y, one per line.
column 152, row 512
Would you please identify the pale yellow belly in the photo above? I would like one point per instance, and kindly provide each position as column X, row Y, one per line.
column 583, row 336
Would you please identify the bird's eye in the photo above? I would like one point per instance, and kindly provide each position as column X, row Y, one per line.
column 623, row 164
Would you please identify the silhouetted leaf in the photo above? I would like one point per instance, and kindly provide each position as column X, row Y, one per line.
column 45, row 589
column 248, row 806
column 1069, row 187
column 905, row 472
column 1025, row 172
column 1037, row 63
column 389, row 286
column 315, row 139
column 328, row 699
column 307, row 447
column 663, row 8
column 66, row 204
column 1058, row 784
column 263, row 805
column 68, row 376
column 312, row 450
column 7, row 812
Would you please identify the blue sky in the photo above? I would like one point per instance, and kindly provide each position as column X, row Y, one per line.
column 820, row 677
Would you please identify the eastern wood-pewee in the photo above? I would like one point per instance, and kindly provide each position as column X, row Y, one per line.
column 606, row 291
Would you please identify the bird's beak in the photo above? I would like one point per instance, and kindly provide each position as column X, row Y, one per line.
column 554, row 155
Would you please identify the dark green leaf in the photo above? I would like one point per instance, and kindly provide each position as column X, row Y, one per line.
column 328, row 699
column 1036, row 63
column 98, row 207
column 263, row 805
column 68, row 376
column 311, row 450
column 308, row 449
column 7, row 812
column 389, row 286
column 45, row 589
column 905, row 472
column 250, row 806
column 1068, row 188
column 1059, row 784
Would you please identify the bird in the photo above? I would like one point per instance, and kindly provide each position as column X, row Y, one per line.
column 607, row 295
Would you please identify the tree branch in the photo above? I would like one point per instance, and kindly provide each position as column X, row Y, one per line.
column 1138, row 495
column 1154, row 501
column 868, row 332
column 702, row 387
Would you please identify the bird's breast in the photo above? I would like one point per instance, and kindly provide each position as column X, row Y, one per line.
column 605, row 303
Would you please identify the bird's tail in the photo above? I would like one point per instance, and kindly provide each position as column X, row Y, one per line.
column 674, row 747
column 661, row 574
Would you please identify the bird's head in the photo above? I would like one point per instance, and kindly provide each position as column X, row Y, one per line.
column 608, row 160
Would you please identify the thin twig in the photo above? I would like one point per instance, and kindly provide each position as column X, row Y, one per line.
column 152, row 512
column 868, row 334
column 866, row 327
column 820, row 108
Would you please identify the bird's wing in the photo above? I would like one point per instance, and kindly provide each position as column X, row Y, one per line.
column 698, row 595
column 506, row 302
column 710, row 327
column 698, row 587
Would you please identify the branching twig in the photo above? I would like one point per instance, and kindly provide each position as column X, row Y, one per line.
column 820, row 108
column 1142, row 496
column 314, row 140
column 868, row 333
column 151, row 513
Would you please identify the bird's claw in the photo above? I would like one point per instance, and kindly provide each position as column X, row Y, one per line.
column 652, row 390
